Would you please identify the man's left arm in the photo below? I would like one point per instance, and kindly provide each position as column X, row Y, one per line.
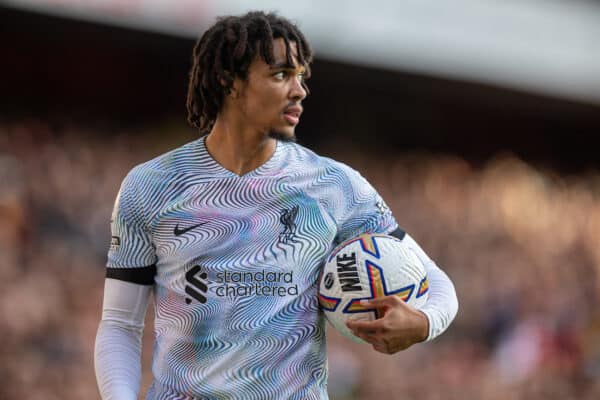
column 402, row 325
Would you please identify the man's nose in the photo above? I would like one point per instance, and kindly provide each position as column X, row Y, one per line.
column 298, row 92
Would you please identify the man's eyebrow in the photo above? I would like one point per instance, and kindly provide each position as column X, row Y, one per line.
column 286, row 65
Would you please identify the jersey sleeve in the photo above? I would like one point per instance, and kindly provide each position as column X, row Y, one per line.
column 132, row 255
column 360, row 209
column 117, row 354
column 442, row 304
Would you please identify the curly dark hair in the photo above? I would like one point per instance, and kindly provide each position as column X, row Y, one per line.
column 225, row 51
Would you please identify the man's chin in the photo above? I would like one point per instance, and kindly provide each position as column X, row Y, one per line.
column 283, row 136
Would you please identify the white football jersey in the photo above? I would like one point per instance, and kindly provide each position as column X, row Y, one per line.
column 234, row 261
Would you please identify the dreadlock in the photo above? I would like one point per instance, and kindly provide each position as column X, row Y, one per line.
column 226, row 50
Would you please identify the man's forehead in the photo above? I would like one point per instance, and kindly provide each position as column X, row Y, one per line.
column 280, row 54
column 279, row 44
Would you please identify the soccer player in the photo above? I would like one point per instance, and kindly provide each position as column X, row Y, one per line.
column 229, row 232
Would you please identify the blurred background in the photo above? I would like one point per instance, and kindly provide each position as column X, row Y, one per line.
column 478, row 122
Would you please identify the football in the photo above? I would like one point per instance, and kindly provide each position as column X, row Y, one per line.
column 366, row 267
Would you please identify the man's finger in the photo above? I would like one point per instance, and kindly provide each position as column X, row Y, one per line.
column 381, row 348
column 367, row 338
column 381, row 302
column 365, row 326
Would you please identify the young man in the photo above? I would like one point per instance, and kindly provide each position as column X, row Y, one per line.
column 229, row 232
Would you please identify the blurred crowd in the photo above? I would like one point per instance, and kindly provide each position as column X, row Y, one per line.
column 520, row 243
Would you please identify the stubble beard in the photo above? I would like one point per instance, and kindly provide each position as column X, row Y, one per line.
column 282, row 136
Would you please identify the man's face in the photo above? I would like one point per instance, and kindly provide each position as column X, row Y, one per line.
column 270, row 99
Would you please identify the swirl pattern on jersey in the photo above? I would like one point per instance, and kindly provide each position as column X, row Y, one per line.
column 237, row 261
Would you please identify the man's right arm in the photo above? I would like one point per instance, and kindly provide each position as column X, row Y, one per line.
column 117, row 355
column 131, row 268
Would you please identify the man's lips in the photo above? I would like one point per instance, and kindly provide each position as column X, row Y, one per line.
column 292, row 114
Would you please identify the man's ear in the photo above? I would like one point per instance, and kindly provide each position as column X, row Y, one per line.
column 234, row 92
column 234, row 89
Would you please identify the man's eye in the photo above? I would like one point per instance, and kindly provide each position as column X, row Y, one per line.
column 279, row 75
column 302, row 77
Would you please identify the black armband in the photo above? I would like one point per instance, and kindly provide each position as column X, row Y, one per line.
column 142, row 276
column 398, row 233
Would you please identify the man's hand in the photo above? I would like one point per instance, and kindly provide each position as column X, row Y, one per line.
column 400, row 327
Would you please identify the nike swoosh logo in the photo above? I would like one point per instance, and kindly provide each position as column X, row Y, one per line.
column 179, row 232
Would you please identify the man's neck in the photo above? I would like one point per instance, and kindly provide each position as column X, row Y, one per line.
column 237, row 150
